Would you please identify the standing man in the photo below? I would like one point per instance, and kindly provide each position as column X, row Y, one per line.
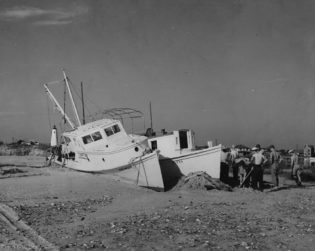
column 296, row 169
column 235, row 166
column 258, row 160
column 274, row 165
column 225, row 159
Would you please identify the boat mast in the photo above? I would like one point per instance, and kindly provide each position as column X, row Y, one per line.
column 54, row 100
column 64, row 102
column 82, row 99
column 72, row 101
column 151, row 117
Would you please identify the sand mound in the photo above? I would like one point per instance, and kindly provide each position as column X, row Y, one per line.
column 200, row 181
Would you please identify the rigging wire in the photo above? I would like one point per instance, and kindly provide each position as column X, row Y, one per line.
column 61, row 128
column 116, row 113
column 86, row 97
column 49, row 121
column 73, row 89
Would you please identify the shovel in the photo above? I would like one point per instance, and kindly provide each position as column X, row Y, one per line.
column 247, row 176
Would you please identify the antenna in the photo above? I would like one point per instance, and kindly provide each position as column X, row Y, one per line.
column 151, row 122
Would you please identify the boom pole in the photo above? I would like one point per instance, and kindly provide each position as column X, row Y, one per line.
column 54, row 100
column 72, row 101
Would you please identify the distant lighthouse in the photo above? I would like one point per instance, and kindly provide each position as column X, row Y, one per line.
column 53, row 140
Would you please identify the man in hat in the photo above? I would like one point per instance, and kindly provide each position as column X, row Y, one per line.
column 274, row 165
column 258, row 160
column 296, row 168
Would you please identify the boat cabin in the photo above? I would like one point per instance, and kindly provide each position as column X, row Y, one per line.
column 174, row 144
column 98, row 135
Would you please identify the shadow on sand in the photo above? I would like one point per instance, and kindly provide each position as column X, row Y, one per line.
column 287, row 187
column 170, row 172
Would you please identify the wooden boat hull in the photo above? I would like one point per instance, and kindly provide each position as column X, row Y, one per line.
column 206, row 160
column 143, row 171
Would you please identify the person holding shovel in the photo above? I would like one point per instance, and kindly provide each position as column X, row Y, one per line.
column 244, row 171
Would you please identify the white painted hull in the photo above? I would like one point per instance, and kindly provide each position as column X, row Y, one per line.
column 102, row 161
column 206, row 160
column 143, row 171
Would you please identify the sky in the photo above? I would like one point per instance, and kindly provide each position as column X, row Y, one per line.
column 235, row 71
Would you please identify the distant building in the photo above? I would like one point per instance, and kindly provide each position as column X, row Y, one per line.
column 308, row 151
column 242, row 148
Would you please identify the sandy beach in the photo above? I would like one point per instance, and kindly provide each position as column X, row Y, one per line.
column 217, row 93
column 56, row 208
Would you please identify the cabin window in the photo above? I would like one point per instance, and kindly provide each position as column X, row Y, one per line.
column 112, row 130
column 96, row 136
column 116, row 128
column 109, row 131
column 87, row 139
column 154, row 145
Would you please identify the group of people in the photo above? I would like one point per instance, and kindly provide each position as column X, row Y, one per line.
column 248, row 167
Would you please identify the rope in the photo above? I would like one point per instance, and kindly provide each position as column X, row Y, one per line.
column 145, row 173
column 138, row 167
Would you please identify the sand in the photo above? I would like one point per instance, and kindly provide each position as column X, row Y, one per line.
column 78, row 211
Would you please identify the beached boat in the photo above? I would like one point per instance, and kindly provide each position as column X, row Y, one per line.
column 103, row 146
column 179, row 156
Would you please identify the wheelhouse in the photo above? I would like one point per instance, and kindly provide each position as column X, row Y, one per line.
column 98, row 136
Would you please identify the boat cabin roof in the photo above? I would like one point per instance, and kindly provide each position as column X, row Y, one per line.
column 91, row 126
